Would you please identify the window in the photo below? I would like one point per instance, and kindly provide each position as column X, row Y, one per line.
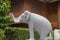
column 36, row 5
column 18, row 4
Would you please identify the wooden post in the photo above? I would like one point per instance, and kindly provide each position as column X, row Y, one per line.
column 59, row 15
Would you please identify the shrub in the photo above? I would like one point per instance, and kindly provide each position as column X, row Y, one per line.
column 5, row 22
column 18, row 34
column 6, row 19
column 13, row 33
column 4, row 7
column 1, row 34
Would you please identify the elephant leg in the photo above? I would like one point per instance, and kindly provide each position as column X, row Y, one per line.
column 48, row 38
column 42, row 37
column 31, row 31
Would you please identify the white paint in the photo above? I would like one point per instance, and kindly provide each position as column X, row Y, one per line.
column 37, row 22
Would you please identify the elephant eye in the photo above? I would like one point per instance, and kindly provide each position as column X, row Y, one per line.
column 24, row 16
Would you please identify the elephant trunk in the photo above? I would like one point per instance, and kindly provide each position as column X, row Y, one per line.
column 16, row 20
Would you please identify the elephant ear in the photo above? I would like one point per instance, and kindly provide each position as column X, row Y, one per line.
column 27, row 15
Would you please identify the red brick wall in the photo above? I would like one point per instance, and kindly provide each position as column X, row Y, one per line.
column 36, row 6
column 27, row 5
column 52, row 14
column 17, row 7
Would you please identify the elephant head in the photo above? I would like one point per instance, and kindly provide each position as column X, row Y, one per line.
column 24, row 17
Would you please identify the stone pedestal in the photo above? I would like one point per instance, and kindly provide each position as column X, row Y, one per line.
column 57, row 34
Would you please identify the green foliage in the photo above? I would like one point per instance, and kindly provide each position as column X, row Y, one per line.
column 2, row 34
column 5, row 21
column 13, row 33
column 9, row 34
column 18, row 34
column 4, row 7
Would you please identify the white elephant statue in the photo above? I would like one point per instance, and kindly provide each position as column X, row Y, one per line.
column 37, row 22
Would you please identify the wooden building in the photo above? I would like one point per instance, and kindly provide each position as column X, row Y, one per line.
column 47, row 8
